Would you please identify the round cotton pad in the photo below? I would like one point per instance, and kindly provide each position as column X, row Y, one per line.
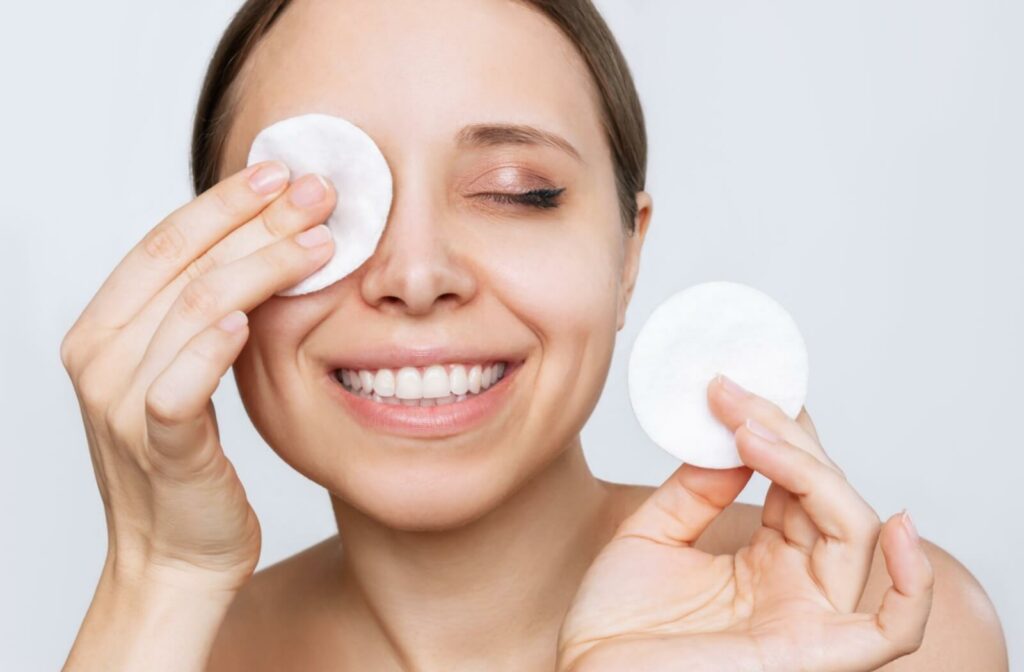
column 711, row 328
column 344, row 154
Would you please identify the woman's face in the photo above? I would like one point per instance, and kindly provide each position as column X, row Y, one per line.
column 544, row 289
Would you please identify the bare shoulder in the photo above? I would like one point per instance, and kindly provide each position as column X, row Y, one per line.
column 963, row 630
column 260, row 629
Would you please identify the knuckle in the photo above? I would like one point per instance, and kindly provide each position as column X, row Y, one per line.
column 911, row 641
column 199, row 300
column 92, row 389
column 271, row 225
column 224, row 199
column 278, row 260
column 69, row 351
column 205, row 353
column 199, row 266
column 166, row 242
column 162, row 406
column 79, row 346
column 115, row 417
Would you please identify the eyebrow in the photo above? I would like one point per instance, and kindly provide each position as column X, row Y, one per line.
column 490, row 135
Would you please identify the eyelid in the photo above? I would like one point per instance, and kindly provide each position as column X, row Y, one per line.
column 513, row 177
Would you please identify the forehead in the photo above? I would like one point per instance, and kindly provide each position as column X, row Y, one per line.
column 413, row 73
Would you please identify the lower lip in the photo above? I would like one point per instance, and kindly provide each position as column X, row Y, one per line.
column 426, row 421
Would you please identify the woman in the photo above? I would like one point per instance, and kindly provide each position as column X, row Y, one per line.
column 471, row 534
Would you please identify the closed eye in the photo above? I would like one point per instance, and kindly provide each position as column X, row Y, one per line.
column 537, row 198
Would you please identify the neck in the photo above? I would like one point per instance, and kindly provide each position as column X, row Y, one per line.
column 493, row 590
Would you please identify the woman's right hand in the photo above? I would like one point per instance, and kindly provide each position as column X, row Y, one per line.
column 150, row 348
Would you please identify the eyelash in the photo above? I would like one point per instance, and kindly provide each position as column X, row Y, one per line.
column 535, row 198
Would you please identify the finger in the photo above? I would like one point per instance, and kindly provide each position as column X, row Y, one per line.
column 774, row 509
column 803, row 418
column 898, row 627
column 682, row 507
column 171, row 245
column 841, row 560
column 243, row 284
column 309, row 200
column 784, row 513
column 182, row 432
column 797, row 527
column 732, row 406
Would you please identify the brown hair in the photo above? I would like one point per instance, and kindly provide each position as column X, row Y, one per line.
column 621, row 113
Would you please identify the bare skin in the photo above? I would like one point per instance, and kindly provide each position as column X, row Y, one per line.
column 280, row 618
column 466, row 553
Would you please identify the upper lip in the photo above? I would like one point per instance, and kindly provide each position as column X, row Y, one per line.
column 387, row 356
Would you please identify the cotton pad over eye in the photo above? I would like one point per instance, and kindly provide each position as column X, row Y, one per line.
column 344, row 154
column 706, row 329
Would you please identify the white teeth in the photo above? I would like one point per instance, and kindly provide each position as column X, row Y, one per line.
column 384, row 383
column 474, row 379
column 437, row 384
column 459, row 381
column 408, row 383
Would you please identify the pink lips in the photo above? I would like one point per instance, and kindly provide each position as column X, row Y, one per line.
column 426, row 421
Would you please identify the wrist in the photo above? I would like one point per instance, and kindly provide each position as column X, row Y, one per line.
column 155, row 618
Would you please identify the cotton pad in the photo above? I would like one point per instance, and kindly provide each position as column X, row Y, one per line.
column 344, row 154
column 706, row 329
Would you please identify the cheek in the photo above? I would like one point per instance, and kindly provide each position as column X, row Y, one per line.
column 560, row 277
column 561, row 281
column 271, row 387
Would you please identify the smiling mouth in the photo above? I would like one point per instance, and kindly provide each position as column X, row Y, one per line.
column 434, row 385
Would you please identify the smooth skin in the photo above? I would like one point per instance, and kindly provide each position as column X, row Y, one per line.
column 496, row 549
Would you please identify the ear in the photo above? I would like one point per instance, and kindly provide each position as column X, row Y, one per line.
column 631, row 261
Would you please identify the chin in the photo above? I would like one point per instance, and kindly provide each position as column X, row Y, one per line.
column 424, row 495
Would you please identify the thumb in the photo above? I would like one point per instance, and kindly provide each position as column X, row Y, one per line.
column 684, row 505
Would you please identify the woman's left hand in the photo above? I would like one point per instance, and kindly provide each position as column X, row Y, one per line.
column 786, row 601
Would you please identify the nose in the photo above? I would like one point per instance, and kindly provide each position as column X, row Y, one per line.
column 416, row 267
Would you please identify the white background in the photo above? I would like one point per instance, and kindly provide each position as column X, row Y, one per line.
column 859, row 161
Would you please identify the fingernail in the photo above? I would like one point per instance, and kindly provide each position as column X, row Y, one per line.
column 233, row 321
column 318, row 235
column 909, row 525
column 308, row 191
column 762, row 431
column 732, row 387
column 269, row 178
